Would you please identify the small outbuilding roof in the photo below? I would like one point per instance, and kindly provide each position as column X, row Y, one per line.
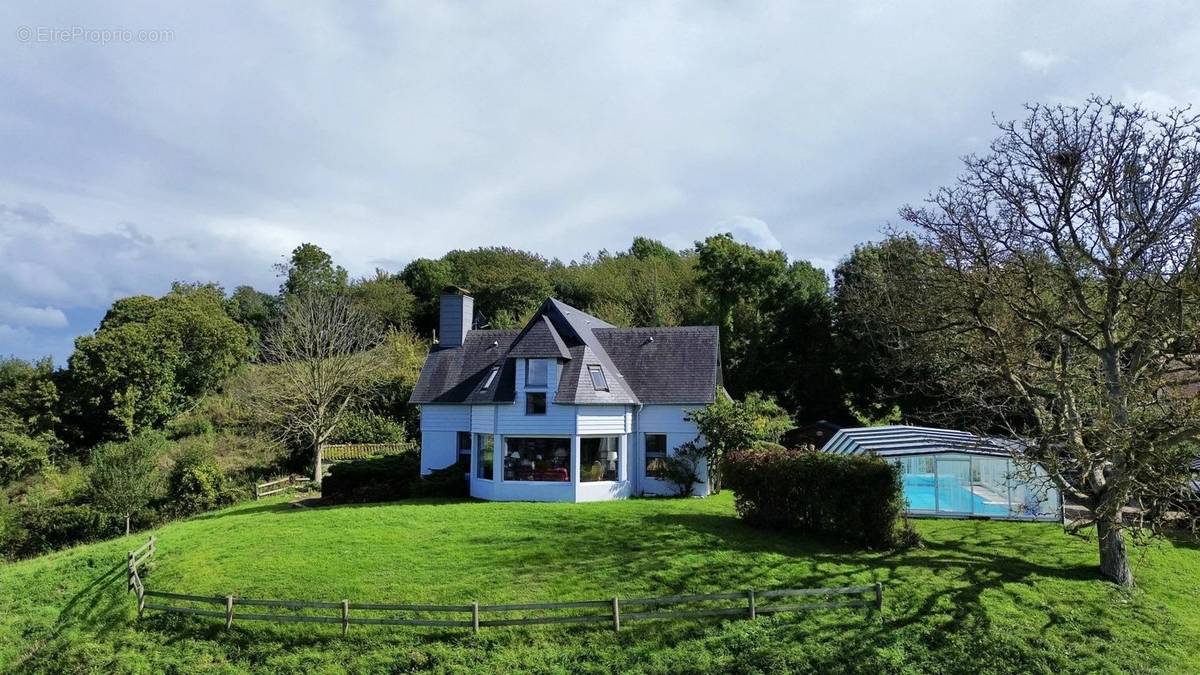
column 901, row 440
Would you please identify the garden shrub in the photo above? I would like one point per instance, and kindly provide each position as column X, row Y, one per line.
column 450, row 481
column 189, row 426
column 854, row 498
column 37, row 529
column 197, row 483
column 682, row 468
column 379, row 479
column 357, row 427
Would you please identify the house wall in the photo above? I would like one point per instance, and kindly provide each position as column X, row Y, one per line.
column 439, row 439
column 597, row 420
column 440, row 425
column 559, row 419
column 661, row 419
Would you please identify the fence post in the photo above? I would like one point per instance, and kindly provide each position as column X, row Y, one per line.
column 879, row 599
column 753, row 604
column 345, row 617
column 153, row 545
column 475, row 616
column 129, row 571
column 256, row 491
column 228, row 612
column 141, row 596
column 616, row 614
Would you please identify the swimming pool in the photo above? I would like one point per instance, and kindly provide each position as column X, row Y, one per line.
column 947, row 495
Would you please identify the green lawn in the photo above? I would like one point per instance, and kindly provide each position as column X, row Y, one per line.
column 980, row 597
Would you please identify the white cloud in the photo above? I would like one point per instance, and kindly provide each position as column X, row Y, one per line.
column 1160, row 101
column 751, row 230
column 1038, row 60
column 388, row 132
column 36, row 317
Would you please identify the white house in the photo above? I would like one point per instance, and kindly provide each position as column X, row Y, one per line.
column 569, row 408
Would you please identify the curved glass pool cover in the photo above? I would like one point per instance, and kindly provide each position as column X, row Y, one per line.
column 953, row 484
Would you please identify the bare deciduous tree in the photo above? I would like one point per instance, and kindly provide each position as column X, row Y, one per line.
column 1064, row 298
column 321, row 354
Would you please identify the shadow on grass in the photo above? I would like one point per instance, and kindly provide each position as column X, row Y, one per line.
column 100, row 606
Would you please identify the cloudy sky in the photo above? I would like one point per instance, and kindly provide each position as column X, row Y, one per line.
column 202, row 141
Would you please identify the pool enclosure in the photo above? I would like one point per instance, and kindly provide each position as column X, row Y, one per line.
column 957, row 474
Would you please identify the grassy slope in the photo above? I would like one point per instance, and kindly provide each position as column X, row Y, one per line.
column 980, row 597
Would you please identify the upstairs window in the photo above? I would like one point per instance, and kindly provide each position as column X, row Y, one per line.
column 536, row 372
column 598, row 381
column 535, row 403
column 491, row 377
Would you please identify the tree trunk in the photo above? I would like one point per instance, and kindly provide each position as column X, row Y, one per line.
column 1114, row 559
column 127, row 524
column 317, row 464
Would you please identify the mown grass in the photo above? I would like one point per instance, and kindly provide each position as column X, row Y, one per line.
column 980, row 597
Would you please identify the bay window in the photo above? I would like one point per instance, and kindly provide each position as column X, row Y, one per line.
column 537, row 459
column 484, row 455
column 599, row 459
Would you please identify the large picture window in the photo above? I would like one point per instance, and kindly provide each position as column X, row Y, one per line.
column 537, row 459
column 599, row 459
column 656, row 455
column 484, row 455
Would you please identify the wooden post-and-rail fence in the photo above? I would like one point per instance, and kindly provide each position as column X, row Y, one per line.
column 748, row 604
column 278, row 485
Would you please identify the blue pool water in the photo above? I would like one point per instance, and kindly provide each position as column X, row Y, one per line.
column 949, row 494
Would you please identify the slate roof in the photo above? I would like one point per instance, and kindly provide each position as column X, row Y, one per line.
column 539, row 340
column 640, row 365
column 899, row 440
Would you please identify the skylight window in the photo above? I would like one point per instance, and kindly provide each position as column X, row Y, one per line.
column 598, row 381
column 491, row 378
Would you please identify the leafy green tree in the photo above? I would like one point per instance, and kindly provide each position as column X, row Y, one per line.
column 21, row 456
column 644, row 248
column 426, row 278
column 727, row 425
column 874, row 285
column 387, row 297
column 149, row 359
column 253, row 309
column 790, row 353
column 124, row 476
column 29, row 397
column 736, row 277
column 501, row 279
column 310, row 270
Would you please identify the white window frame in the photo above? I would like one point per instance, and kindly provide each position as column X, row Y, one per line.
column 647, row 456
column 593, row 371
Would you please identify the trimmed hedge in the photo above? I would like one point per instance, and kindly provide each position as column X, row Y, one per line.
column 379, row 479
column 853, row 498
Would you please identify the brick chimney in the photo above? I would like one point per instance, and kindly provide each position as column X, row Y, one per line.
column 455, row 313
